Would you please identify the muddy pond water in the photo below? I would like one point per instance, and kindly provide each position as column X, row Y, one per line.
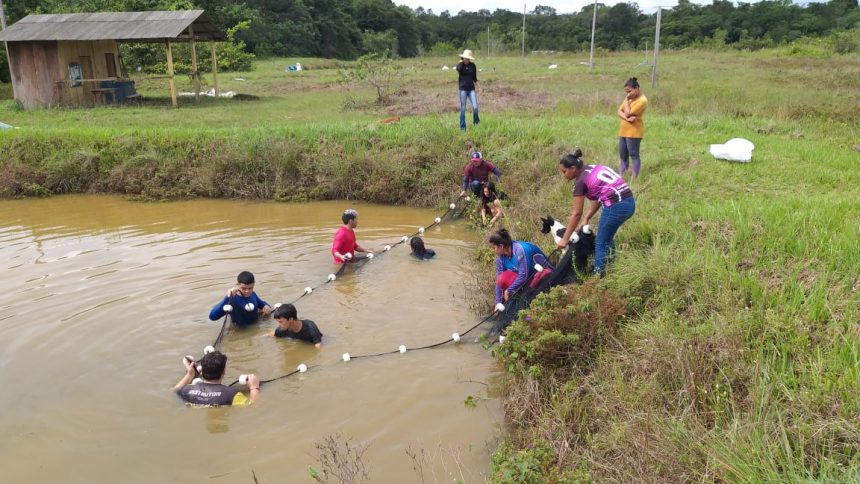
column 101, row 297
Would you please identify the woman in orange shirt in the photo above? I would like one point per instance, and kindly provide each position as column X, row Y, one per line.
column 632, row 128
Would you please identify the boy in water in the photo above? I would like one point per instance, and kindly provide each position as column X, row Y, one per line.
column 247, row 306
column 290, row 326
column 212, row 393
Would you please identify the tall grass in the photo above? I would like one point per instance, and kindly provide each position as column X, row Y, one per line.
column 735, row 355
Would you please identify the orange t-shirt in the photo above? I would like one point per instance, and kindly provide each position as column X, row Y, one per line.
column 636, row 129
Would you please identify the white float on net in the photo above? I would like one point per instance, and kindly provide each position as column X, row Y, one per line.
column 309, row 290
column 302, row 368
column 332, row 277
column 456, row 337
column 227, row 308
column 402, row 348
column 345, row 356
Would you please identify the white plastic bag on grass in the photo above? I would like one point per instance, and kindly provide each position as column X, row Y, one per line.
column 735, row 149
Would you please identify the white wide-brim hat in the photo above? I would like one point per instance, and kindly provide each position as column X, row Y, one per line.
column 467, row 54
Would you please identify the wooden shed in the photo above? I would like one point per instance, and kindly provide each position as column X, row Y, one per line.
column 67, row 59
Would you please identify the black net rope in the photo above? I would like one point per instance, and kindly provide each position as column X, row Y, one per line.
column 356, row 260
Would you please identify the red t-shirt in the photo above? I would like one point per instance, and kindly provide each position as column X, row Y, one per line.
column 344, row 242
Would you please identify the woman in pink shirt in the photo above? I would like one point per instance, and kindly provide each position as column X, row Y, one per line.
column 345, row 246
column 603, row 187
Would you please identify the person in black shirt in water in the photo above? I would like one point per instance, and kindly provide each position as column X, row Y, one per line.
column 418, row 249
column 290, row 326
column 211, row 393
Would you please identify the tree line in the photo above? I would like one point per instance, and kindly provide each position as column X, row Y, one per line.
column 347, row 29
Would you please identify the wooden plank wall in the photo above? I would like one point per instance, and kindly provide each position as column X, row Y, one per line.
column 69, row 52
column 34, row 70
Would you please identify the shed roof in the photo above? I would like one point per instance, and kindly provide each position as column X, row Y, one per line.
column 122, row 26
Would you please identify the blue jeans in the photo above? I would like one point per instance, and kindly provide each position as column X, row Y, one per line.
column 473, row 98
column 611, row 219
column 476, row 186
column 629, row 148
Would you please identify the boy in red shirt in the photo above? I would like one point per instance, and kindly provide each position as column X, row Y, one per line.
column 345, row 246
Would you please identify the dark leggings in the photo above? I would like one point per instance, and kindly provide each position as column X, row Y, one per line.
column 629, row 148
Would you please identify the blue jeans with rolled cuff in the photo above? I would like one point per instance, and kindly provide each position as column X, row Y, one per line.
column 611, row 219
column 472, row 96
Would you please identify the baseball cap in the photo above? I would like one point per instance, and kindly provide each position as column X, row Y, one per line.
column 476, row 155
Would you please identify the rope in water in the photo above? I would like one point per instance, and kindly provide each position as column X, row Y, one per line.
column 347, row 357
column 403, row 349
column 332, row 277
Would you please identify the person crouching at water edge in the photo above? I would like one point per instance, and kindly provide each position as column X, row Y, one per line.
column 477, row 172
column 418, row 249
column 290, row 326
column 211, row 393
column 602, row 186
column 247, row 306
column 344, row 246
column 515, row 264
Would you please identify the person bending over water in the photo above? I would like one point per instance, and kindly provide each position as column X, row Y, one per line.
column 490, row 204
column 602, row 186
column 515, row 264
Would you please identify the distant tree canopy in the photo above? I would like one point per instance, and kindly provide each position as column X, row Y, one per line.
column 347, row 29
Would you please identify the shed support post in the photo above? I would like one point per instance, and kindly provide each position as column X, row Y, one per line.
column 195, row 74
column 214, row 68
column 170, row 74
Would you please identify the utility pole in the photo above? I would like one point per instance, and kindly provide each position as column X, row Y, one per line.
column 593, row 25
column 488, row 41
column 656, row 48
column 524, row 30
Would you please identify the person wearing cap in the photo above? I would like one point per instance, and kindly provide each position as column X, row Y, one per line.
column 477, row 172
column 344, row 246
column 468, row 87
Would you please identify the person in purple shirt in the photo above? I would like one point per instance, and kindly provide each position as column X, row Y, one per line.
column 515, row 264
column 604, row 187
column 247, row 306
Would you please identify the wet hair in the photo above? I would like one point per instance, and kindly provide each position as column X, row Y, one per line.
column 501, row 237
column 213, row 365
column 571, row 160
column 417, row 245
column 485, row 200
column 245, row 277
column 632, row 82
column 287, row 311
column 349, row 214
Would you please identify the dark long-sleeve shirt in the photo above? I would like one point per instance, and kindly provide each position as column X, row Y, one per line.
column 240, row 316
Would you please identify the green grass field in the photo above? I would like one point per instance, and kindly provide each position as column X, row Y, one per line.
column 724, row 344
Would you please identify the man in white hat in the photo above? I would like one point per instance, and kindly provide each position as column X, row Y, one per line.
column 468, row 85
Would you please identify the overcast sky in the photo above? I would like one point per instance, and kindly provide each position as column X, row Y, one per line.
column 561, row 6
